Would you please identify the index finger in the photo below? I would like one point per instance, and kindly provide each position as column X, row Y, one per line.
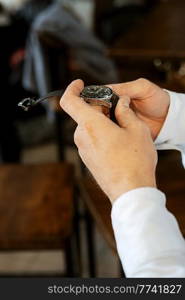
column 75, row 106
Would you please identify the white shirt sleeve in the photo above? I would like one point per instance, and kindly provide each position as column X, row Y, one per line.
column 148, row 238
column 172, row 134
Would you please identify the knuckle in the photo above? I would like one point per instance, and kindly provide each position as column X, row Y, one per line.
column 88, row 125
column 63, row 103
column 77, row 138
column 144, row 82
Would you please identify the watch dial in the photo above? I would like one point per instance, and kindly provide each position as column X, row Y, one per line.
column 96, row 92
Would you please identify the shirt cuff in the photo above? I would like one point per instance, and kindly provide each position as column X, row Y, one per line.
column 172, row 134
column 128, row 199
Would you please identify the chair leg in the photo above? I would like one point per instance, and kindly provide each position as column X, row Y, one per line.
column 77, row 235
column 69, row 259
column 90, row 245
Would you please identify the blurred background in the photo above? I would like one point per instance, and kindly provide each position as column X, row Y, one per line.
column 53, row 217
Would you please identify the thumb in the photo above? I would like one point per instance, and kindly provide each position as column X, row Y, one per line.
column 124, row 115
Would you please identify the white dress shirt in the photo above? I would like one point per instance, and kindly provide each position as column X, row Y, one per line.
column 148, row 238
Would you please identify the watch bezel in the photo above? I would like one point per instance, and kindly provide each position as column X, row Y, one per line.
column 106, row 98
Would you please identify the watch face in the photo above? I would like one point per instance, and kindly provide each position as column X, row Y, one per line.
column 99, row 92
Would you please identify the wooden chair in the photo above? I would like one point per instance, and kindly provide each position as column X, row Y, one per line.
column 36, row 208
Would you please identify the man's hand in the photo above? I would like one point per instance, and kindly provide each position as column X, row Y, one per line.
column 149, row 102
column 120, row 158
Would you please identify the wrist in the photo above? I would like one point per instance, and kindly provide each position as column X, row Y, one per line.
column 122, row 188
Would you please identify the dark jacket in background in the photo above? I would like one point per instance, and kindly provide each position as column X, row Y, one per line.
column 60, row 24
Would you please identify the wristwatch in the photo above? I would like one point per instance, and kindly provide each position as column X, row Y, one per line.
column 100, row 95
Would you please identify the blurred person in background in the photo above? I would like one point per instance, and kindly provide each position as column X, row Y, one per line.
column 16, row 17
column 27, row 64
column 60, row 37
column 13, row 34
